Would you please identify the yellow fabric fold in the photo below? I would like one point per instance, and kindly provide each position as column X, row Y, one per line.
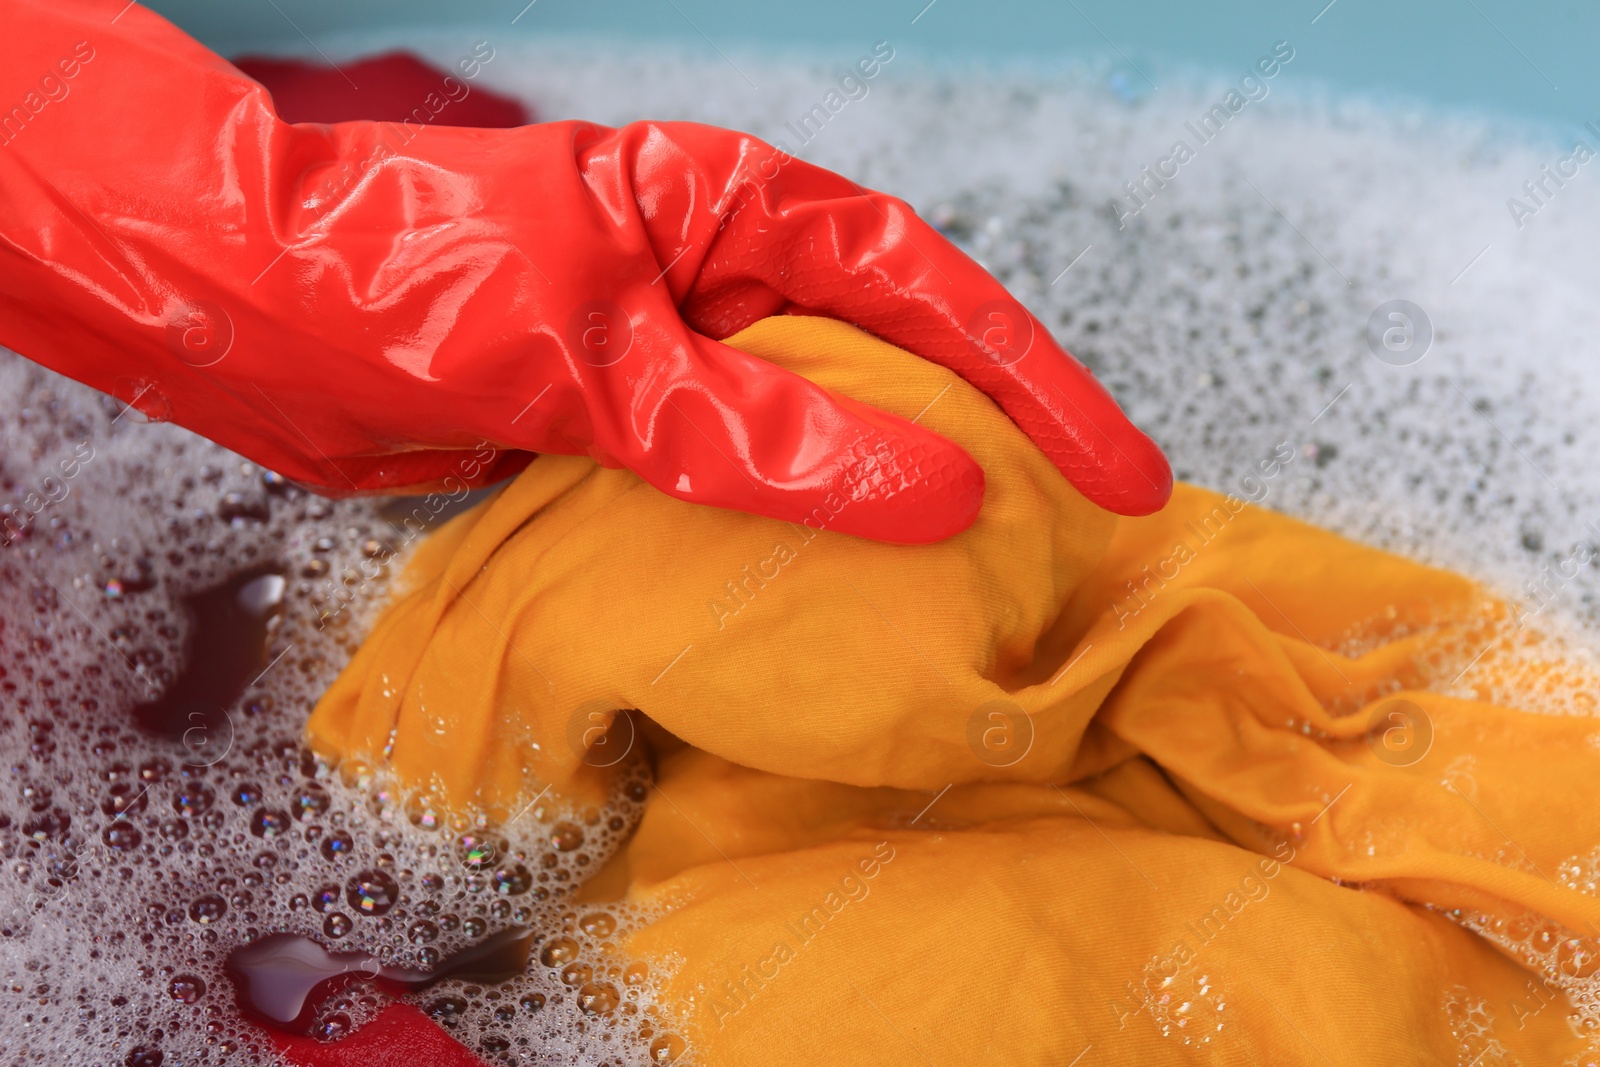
column 1061, row 742
column 823, row 655
column 1024, row 924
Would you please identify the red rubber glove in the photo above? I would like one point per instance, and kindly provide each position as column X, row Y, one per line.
column 359, row 306
column 386, row 88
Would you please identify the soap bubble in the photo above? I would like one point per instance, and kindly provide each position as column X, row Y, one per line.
column 372, row 892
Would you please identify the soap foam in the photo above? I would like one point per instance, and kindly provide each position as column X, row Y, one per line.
column 1229, row 317
column 134, row 863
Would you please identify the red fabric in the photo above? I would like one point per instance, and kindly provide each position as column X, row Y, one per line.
column 386, row 88
column 401, row 1036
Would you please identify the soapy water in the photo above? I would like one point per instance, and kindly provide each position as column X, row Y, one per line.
column 169, row 617
column 152, row 821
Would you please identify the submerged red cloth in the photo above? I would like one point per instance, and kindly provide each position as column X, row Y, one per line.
column 401, row 1036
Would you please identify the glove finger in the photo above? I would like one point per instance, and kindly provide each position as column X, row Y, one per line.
column 709, row 424
column 824, row 244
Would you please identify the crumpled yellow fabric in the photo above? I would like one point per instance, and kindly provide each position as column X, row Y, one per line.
column 1210, row 786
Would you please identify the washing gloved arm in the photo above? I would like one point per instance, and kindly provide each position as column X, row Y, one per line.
column 363, row 306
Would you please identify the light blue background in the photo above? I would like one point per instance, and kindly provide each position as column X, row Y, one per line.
column 1535, row 60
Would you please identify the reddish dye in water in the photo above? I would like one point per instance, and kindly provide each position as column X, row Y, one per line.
column 282, row 979
column 224, row 651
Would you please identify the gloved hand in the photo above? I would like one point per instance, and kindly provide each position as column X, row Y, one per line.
column 361, row 306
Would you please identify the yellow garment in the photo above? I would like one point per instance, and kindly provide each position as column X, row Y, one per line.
column 1062, row 782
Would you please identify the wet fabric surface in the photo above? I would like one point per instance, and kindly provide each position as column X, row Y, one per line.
column 1182, row 788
